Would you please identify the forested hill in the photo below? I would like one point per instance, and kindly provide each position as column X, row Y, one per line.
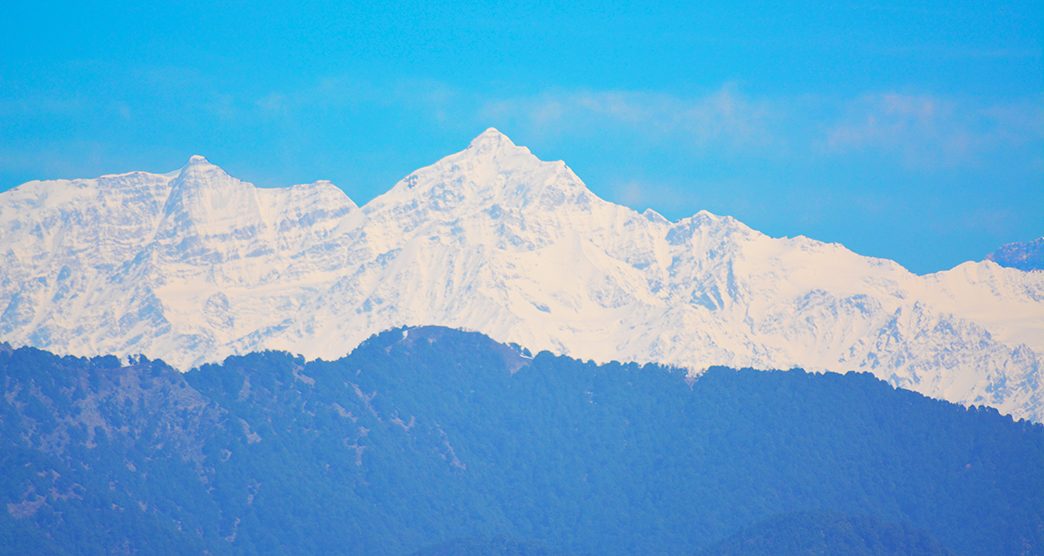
column 434, row 441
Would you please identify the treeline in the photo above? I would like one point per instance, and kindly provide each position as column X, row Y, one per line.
column 442, row 442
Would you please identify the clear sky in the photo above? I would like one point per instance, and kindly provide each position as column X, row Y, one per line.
column 913, row 131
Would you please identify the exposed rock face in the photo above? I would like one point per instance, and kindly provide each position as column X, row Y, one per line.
column 1026, row 255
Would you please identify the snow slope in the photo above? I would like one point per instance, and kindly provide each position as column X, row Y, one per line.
column 195, row 265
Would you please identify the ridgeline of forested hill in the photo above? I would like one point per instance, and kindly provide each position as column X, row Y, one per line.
column 434, row 441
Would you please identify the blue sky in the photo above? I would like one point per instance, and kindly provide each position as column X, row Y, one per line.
column 913, row 131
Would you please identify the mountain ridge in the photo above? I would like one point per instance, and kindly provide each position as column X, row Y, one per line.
column 495, row 240
column 425, row 435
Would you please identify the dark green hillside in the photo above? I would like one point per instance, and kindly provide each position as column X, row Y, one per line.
column 433, row 439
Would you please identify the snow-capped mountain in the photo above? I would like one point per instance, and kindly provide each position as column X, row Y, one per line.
column 1023, row 255
column 195, row 265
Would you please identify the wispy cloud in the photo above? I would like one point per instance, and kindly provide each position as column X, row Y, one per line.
column 647, row 194
column 932, row 131
column 923, row 131
column 724, row 116
column 920, row 131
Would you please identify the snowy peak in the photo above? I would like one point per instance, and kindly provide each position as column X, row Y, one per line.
column 194, row 265
column 202, row 187
column 198, row 160
column 491, row 142
column 319, row 194
column 491, row 173
column 211, row 216
column 310, row 208
column 205, row 196
column 200, row 169
column 655, row 217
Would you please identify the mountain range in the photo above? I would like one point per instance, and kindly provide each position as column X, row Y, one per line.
column 194, row 265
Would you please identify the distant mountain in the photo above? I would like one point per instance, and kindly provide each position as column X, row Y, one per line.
column 194, row 265
column 1027, row 255
column 434, row 441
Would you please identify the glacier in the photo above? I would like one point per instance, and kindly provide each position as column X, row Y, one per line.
column 194, row 265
